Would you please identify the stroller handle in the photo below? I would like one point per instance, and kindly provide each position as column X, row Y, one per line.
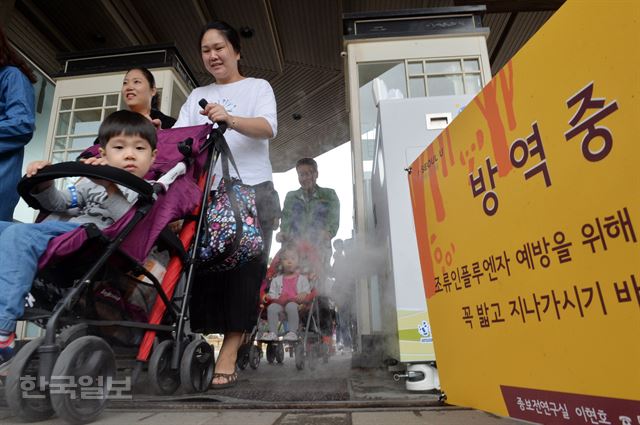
column 222, row 125
column 79, row 169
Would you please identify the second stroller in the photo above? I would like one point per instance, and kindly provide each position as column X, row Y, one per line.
column 289, row 291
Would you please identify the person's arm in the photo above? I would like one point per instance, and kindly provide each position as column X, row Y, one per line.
column 18, row 97
column 256, row 128
column 275, row 288
column 262, row 125
column 285, row 219
column 73, row 196
column 333, row 217
column 303, row 288
column 303, row 284
column 165, row 120
column 32, row 170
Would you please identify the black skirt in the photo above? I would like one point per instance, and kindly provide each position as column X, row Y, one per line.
column 227, row 301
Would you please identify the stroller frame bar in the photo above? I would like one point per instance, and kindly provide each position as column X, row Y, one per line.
column 209, row 145
column 129, row 324
column 79, row 169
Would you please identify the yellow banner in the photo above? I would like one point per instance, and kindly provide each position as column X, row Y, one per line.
column 527, row 211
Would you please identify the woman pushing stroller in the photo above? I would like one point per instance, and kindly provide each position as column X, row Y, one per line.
column 226, row 302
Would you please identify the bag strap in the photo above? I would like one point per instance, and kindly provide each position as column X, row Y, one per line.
column 224, row 151
column 226, row 157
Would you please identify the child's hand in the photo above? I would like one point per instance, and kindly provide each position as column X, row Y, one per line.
column 301, row 297
column 176, row 226
column 95, row 161
column 156, row 123
column 35, row 166
column 32, row 170
column 108, row 185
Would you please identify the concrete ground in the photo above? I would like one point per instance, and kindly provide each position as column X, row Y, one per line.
column 332, row 394
column 260, row 417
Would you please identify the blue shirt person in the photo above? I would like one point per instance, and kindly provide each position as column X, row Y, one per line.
column 17, row 122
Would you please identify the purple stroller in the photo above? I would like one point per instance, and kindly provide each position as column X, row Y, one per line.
column 71, row 370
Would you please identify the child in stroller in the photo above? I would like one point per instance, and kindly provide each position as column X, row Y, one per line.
column 76, row 263
column 307, row 345
column 288, row 291
column 127, row 141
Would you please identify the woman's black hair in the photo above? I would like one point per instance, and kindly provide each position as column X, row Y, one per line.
column 227, row 31
column 8, row 56
column 128, row 123
column 150, row 79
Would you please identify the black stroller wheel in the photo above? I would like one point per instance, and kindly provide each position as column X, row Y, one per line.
column 271, row 353
column 197, row 366
column 163, row 379
column 313, row 354
column 70, row 334
column 254, row 356
column 90, row 365
column 280, row 352
column 299, row 350
column 243, row 357
column 23, row 380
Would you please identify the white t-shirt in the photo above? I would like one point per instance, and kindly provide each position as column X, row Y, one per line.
column 249, row 97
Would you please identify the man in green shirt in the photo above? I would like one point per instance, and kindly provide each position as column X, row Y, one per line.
column 311, row 213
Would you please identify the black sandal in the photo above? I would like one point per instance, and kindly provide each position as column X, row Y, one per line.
column 230, row 378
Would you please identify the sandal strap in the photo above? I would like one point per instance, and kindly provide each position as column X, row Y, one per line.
column 230, row 377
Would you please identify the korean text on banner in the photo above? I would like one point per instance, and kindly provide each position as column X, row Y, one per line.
column 527, row 212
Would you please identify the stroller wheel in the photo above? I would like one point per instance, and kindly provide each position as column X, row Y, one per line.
column 323, row 352
column 313, row 354
column 299, row 350
column 254, row 356
column 70, row 334
column 271, row 353
column 163, row 380
column 280, row 352
column 243, row 357
column 88, row 363
column 23, row 380
column 196, row 367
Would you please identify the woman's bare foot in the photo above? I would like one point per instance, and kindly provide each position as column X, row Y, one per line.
column 226, row 363
column 224, row 368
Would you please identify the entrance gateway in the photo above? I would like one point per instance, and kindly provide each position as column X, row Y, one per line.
column 409, row 73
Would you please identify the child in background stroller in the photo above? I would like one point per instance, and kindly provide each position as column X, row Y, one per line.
column 288, row 292
column 72, row 373
column 303, row 340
